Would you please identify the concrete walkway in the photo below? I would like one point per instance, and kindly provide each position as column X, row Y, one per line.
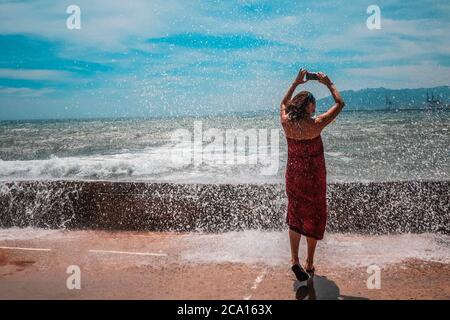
column 38, row 264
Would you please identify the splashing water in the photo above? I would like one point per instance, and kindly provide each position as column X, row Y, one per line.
column 269, row 248
column 359, row 146
column 347, row 250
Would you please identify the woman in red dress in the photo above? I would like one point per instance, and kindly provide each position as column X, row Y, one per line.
column 305, row 169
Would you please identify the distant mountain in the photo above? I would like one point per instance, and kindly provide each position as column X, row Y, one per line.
column 382, row 98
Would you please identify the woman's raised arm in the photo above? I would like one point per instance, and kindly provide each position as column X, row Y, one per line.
column 288, row 96
column 327, row 117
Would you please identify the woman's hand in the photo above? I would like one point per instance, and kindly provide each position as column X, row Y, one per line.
column 323, row 78
column 301, row 77
column 287, row 97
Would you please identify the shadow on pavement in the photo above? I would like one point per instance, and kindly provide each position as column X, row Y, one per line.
column 320, row 288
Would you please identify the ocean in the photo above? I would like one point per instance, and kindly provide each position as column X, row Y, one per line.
column 362, row 146
column 388, row 175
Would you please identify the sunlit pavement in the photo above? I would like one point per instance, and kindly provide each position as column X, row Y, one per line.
column 45, row 264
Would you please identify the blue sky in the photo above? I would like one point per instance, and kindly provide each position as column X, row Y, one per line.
column 162, row 58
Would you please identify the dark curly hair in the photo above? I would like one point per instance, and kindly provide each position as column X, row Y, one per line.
column 296, row 108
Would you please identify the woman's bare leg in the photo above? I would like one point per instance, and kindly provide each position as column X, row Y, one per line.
column 311, row 250
column 294, row 239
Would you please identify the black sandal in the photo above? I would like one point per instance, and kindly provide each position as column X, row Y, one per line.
column 299, row 272
column 311, row 271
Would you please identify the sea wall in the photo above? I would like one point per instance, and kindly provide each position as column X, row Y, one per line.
column 381, row 207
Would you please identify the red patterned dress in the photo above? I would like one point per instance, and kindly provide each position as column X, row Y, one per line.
column 306, row 187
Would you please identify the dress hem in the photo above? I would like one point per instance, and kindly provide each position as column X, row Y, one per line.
column 302, row 232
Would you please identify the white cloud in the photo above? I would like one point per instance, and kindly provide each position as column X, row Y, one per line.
column 35, row 74
column 24, row 92
column 105, row 24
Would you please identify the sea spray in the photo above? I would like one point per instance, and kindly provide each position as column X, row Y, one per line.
column 369, row 208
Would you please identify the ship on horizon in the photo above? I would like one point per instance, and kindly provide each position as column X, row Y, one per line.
column 431, row 103
column 434, row 103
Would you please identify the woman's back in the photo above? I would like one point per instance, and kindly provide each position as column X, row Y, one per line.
column 304, row 148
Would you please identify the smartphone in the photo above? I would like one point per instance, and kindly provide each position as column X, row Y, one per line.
column 311, row 76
